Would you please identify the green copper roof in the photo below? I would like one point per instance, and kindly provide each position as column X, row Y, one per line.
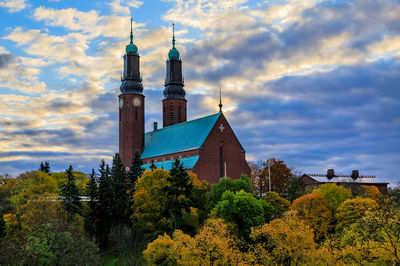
column 188, row 163
column 173, row 53
column 131, row 47
column 179, row 137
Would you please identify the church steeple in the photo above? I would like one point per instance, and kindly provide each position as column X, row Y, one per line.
column 174, row 103
column 131, row 79
column 131, row 106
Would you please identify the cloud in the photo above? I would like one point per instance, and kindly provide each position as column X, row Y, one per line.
column 14, row 5
column 6, row 59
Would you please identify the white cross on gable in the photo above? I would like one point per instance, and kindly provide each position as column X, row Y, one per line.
column 221, row 127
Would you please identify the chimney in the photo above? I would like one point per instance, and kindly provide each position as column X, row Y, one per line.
column 330, row 173
column 354, row 174
column 155, row 126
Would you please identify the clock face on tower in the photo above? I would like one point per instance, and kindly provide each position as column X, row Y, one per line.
column 136, row 102
column 121, row 103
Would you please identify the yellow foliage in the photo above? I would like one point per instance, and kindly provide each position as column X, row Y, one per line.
column 371, row 192
column 283, row 241
column 315, row 210
column 352, row 210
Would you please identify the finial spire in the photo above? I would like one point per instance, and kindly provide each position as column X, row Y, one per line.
column 173, row 34
column 220, row 100
column 131, row 31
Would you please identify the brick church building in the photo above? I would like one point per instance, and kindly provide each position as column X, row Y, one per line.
column 206, row 146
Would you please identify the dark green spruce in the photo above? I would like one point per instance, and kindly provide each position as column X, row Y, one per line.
column 92, row 192
column 136, row 172
column 69, row 193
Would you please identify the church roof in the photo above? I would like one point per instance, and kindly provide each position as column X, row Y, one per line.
column 179, row 137
column 187, row 162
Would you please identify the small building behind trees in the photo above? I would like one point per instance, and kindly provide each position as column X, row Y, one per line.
column 313, row 181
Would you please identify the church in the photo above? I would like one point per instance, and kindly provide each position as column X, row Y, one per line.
column 206, row 146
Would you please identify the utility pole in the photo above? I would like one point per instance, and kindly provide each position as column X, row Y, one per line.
column 269, row 175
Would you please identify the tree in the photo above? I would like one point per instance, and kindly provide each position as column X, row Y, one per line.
column 149, row 201
column 334, row 194
column 69, row 193
column 244, row 210
column 315, row 210
column 92, row 191
column 136, row 172
column 105, row 213
column 279, row 204
column 120, row 192
column 179, row 191
column 153, row 166
column 279, row 172
column 371, row 192
column 45, row 168
column 225, row 184
column 287, row 241
column 293, row 188
column 352, row 210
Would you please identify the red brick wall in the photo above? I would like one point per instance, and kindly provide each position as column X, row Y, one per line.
column 208, row 165
column 173, row 105
column 131, row 128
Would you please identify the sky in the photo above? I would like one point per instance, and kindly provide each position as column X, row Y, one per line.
column 313, row 83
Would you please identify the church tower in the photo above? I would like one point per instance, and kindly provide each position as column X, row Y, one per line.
column 174, row 102
column 131, row 106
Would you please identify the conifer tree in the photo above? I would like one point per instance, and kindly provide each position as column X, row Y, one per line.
column 47, row 167
column 41, row 168
column 105, row 205
column 135, row 173
column 179, row 192
column 152, row 166
column 92, row 191
column 70, row 195
column 120, row 192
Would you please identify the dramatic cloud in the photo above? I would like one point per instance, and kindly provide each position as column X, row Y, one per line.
column 314, row 83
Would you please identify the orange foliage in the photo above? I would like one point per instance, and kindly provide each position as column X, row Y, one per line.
column 316, row 211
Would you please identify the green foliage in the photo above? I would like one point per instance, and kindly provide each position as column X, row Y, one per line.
column 279, row 204
column 92, row 191
column 2, row 227
column 50, row 246
column 294, row 189
column 227, row 184
column 135, row 172
column 179, row 191
column 70, row 195
column 351, row 210
column 244, row 210
column 149, row 202
column 45, row 168
column 120, row 190
column 334, row 194
column 81, row 180
column 105, row 210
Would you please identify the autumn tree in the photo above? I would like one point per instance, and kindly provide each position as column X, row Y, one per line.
column 227, row 184
column 279, row 172
column 315, row 210
column 279, row 204
column 149, row 202
column 69, row 193
column 334, row 194
column 287, row 241
column 244, row 210
column 352, row 210
column 370, row 192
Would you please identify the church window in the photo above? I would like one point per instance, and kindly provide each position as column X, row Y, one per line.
column 179, row 115
column 171, row 117
column 221, row 165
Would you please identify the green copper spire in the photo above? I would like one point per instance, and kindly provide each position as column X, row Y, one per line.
column 131, row 47
column 173, row 53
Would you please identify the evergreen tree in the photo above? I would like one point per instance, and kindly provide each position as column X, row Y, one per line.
column 92, row 191
column 293, row 189
column 152, row 166
column 70, row 195
column 135, row 173
column 105, row 211
column 41, row 168
column 179, row 192
column 46, row 167
column 120, row 192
